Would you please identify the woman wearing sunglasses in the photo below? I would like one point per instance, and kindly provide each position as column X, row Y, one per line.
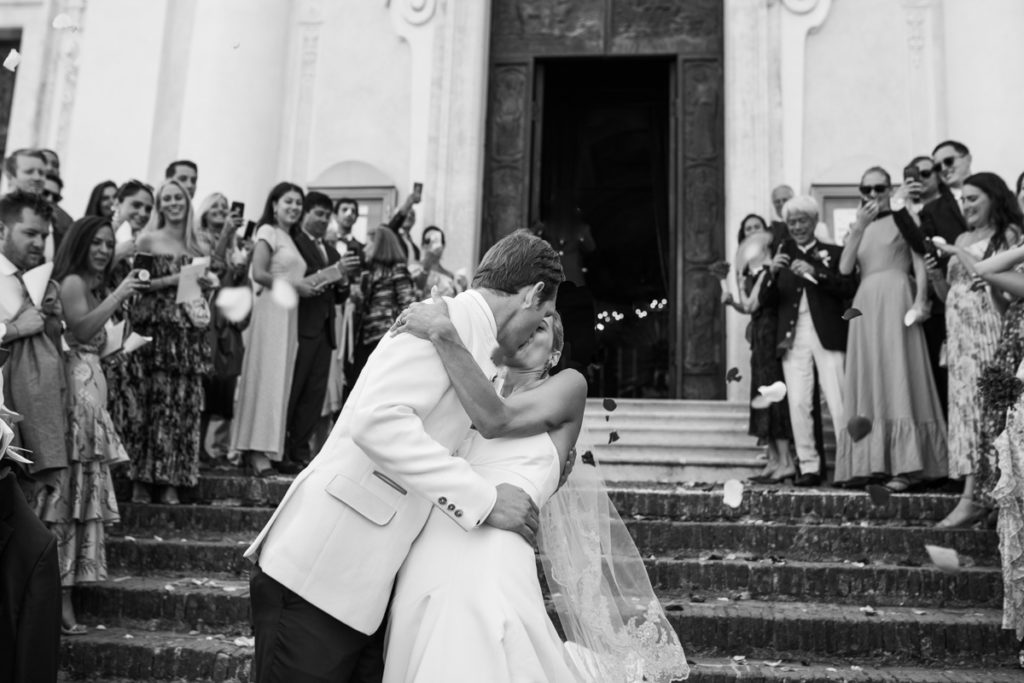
column 888, row 380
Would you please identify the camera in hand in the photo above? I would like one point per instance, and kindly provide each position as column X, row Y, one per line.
column 144, row 263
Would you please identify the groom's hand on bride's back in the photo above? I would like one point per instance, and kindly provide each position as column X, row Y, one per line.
column 515, row 511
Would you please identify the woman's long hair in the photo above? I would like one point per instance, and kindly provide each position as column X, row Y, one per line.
column 93, row 208
column 72, row 257
column 193, row 244
column 742, row 236
column 278, row 191
column 1004, row 211
column 386, row 248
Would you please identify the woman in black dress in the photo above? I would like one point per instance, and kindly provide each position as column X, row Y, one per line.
column 770, row 425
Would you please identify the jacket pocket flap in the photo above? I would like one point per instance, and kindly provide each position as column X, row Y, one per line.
column 366, row 503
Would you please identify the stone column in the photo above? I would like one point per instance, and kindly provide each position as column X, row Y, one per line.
column 799, row 17
column 749, row 122
column 449, row 48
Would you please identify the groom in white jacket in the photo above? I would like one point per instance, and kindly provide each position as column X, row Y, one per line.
column 327, row 560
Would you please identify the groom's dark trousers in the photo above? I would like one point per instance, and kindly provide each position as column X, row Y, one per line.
column 297, row 642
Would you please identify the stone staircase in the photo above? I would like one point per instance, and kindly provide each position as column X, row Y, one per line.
column 794, row 585
column 673, row 441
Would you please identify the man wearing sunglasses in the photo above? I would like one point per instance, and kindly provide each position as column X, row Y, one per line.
column 942, row 217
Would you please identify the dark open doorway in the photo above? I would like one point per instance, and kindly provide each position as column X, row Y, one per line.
column 604, row 157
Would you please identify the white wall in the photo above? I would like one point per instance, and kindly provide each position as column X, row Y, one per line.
column 985, row 97
column 362, row 93
column 867, row 102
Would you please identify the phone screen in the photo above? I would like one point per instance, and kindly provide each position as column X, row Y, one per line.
column 144, row 262
column 250, row 228
column 912, row 173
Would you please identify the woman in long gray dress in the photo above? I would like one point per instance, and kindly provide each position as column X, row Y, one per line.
column 272, row 340
column 888, row 379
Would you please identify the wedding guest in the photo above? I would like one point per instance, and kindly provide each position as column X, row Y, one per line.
column 30, row 609
column 185, row 172
column 943, row 217
column 780, row 195
column 164, row 444
column 1020, row 191
column 888, row 381
column 810, row 294
column 432, row 246
column 974, row 322
column 26, row 170
column 1000, row 388
column 346, row 212
column 133, row 206
column 34, row 379
column 82, row 502
column 34, row 376
column 217, row 231
column 53, row 189
column 52, row 160
column 402, row 223
column 388, row 289
column 316, row 334
column 770, row 425
column 101, row 200
column 264, row 386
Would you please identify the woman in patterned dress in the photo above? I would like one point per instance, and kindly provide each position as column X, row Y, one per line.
column 83, row 503
column 1004, row 405
column 168, row 372
column 133, row 206
column 973, row 328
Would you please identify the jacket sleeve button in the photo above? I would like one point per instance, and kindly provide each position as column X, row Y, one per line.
column 442, row 500
column 458, row 513
column 451, row 506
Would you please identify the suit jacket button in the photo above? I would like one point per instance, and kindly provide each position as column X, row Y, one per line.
column 451, row 506
column 442, row 500
column 458, row 513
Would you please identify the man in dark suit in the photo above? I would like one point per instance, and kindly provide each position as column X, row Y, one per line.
column 30, row 592
column 316, row 333
column 810, row 294
column 943, row 218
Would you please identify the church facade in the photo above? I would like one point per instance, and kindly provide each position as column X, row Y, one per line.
column 662, row 122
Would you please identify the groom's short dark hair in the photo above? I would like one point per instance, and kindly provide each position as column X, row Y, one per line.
column 520, row 260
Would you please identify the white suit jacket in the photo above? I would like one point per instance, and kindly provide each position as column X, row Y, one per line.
column 348, row 520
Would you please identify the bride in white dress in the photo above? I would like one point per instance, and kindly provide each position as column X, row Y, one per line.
column 469, row 606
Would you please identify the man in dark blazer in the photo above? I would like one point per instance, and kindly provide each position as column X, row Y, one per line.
column 29, row 589
column 810, row 294
column 316, row 333
column 942, row 218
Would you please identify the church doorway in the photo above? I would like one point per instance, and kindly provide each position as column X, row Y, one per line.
column 602, row 197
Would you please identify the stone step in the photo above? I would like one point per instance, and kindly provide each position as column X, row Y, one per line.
column 683, row 440
column 630, row 406
column 206, row 601
column 789, row 630
column 682, row 502
column 808, row 542
column 196, row 550
column 626, row 462
column 109, row 657
column 753, row 629
column 703, row 421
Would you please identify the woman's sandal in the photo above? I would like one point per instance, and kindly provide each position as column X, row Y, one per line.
column 975, row 515
column 73, row 630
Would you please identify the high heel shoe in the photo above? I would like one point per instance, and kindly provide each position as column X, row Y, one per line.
column 259, row 465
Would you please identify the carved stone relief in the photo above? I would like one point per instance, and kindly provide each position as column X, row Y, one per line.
column 508, row 130
column 702, row 83
column 519, row 26
column 666, row 25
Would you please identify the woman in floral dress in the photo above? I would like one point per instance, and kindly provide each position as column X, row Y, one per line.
column 973, row 328
column 169, row 381
column 82, row 504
